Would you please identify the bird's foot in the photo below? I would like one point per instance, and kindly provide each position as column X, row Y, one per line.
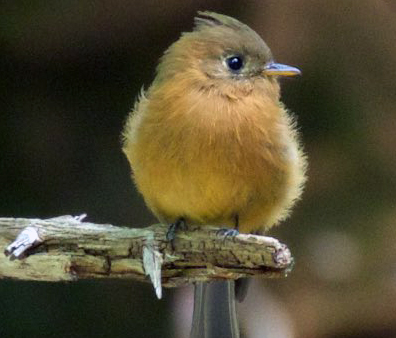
column 227, row 233
column 230, row 233
column 180, row 224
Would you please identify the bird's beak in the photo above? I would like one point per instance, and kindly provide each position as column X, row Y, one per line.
column 277, row 69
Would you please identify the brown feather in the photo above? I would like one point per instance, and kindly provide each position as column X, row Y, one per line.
column 207, row 145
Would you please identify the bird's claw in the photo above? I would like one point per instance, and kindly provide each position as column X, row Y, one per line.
column 227, row 233
column 180, row 224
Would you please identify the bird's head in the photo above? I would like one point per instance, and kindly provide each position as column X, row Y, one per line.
column 221, row 52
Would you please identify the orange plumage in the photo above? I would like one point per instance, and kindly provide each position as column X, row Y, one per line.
column 208, row 142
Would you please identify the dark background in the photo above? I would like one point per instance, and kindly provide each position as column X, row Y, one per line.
column 69, row 74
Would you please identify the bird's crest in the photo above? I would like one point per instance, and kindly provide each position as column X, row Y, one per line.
column 211, row 19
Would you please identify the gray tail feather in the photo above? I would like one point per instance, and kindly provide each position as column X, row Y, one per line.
column 214, row 311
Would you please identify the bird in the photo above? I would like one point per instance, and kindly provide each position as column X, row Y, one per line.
column 210, row 142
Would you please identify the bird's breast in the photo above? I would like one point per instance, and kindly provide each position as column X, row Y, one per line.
column 209, row 158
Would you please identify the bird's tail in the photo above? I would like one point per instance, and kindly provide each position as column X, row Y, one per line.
column 214, row 311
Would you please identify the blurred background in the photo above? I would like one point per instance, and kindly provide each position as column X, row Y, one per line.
column 69, row 74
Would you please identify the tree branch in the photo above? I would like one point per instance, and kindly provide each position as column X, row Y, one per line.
column 66, row 249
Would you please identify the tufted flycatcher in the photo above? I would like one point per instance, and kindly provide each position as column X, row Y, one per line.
column 209, row 142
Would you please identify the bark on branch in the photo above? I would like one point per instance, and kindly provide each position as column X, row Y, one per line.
column 66, row 249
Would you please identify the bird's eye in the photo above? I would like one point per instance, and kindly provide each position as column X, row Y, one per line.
column 234, row 62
